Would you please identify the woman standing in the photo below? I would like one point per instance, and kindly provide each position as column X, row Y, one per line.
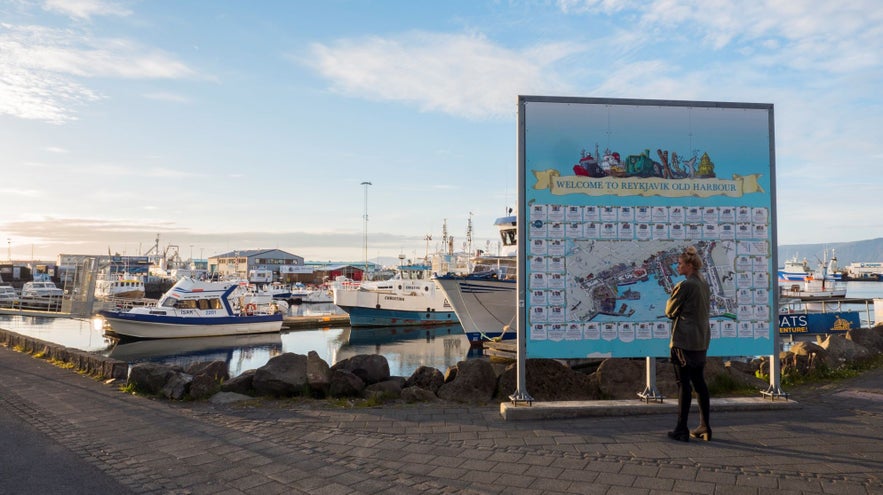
column 688, row 308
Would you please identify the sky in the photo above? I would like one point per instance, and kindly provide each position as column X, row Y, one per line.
column 220, row 125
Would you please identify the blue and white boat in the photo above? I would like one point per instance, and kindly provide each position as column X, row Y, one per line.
column 193, row 308
column 795, row 270
column 485, row 299
column 410, row 297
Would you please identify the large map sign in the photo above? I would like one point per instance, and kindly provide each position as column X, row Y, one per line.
column 612, row 192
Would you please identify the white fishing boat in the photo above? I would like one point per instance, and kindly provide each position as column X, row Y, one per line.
column 194, row 308
column 122, row 286
column 301, row 294
column 410, row 297
column 819, row 284
column 485, row 299
column 40, row 289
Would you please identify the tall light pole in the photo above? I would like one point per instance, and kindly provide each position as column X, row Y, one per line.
column 365, row 231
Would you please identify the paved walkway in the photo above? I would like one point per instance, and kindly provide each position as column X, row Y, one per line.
column 82, row 436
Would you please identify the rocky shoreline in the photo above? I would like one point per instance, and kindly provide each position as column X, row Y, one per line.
column 482, row 381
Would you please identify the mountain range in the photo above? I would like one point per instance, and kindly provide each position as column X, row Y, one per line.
column 870, row 250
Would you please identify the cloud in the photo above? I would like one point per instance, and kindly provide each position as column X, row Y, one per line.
column 85, row 9
column 41, row 69
column 457, row 74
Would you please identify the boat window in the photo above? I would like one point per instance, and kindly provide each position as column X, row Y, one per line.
column 187, row 304
column 169, row 303
column 202, row 304
column 215, row 303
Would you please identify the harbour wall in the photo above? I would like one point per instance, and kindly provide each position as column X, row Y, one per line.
column 84, row 362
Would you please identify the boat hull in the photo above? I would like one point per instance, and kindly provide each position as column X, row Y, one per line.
column 371, row 317
column 145, row 326
column 485, row 307
column 382, row 308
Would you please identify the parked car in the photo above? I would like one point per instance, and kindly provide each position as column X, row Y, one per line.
column 8, row 297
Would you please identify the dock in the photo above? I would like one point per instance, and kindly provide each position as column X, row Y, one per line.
column 323, row 321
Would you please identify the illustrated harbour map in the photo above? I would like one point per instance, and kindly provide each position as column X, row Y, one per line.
column 604, row 228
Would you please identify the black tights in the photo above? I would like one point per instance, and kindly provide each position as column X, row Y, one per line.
column 690, row 374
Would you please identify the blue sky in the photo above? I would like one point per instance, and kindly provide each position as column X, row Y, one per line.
column 223, row 125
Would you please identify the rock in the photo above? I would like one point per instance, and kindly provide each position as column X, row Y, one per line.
column 842, row 350
column 241, row 384
column 203, row 386
column 387, row 389
column 871, row 338
column 427, row 378
column 345, row 383
column 217, row 370
column 150, row 378
column 176, row 386
column 284, row 375
column 804, row 358
column 724, row 373
column 371, row 368
column 472, row 381
column 318, row 375
column 549, row 380
column 418, row 394
column 624, row 378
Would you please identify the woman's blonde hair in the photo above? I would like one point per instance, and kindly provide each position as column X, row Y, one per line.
column 691, row 257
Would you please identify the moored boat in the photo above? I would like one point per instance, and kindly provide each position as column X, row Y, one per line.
column 194, row 308
column 410, row 297
column 485, row 299
column 122, row 287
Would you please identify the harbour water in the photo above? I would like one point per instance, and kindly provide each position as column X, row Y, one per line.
column 405, row 348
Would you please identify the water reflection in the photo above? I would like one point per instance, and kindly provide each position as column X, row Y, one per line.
column 405, row 348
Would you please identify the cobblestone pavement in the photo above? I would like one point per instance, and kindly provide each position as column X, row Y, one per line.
column 833, row 444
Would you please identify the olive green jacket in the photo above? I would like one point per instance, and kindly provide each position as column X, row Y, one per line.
column 688, row 308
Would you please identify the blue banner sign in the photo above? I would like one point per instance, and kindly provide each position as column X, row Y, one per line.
column 818, row 323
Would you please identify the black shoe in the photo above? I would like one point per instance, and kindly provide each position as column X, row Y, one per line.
column 680, row 436
column 702, row 432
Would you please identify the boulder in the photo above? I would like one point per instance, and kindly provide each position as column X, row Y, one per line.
column 843, row 350
column 804, row 358
column 387, row 389
column 371, row 368
column 418, row 394
column 150, row 378
column 472, row 381
column 217, row 370
column 426, row 377
column 624, row 378
column 241, row 384
column 872, row 338
column 203, row 386
column 549, row 380
column 732, row 372
column 177, row 385
column 318, row 375
column 345, row 383
column 284, row 375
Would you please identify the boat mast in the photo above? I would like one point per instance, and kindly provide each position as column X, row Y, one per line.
column 365, row 230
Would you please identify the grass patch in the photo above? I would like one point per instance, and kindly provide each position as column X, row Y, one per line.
column 723, row 385
column 823, row 374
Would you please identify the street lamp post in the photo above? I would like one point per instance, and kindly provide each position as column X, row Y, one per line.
column 365, row 184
